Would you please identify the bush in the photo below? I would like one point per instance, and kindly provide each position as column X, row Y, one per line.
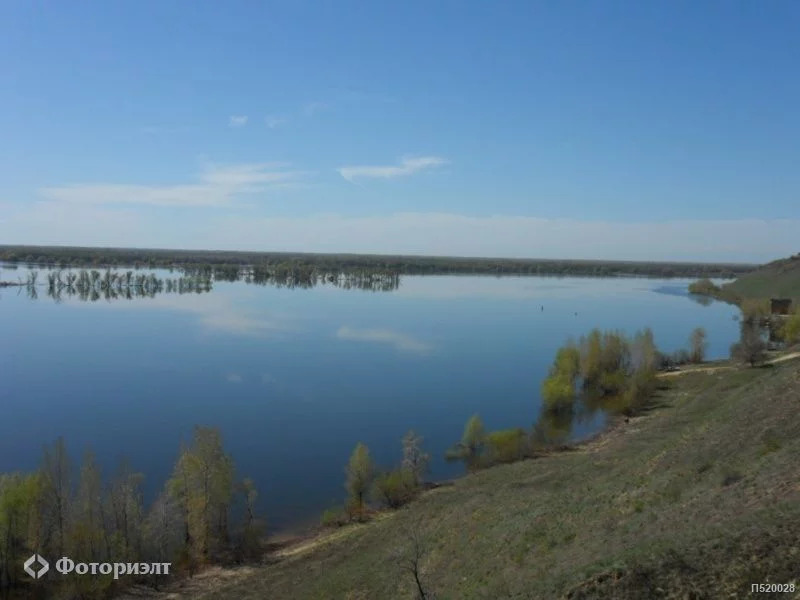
column 394, row 488
column 790, row 330
column 751, row 347
column 557, row 392
column 506, row 445
column 335, row 517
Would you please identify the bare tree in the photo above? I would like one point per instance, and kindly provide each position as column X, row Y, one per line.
column 415, row 460
column 698, row 345
column 410, row 560
column 751, row 347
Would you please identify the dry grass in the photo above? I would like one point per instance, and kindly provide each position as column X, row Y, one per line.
column 698, row 498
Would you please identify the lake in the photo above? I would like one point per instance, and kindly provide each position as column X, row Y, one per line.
column 295, row 377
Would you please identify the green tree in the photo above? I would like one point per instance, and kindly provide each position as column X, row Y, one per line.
column 698, row 345
column 88, row 531
column 202, row 484
column 506, row 445
column 56, row 495
column 19, row 524
column 471, row 447
column 558, row 389
column 360, row 471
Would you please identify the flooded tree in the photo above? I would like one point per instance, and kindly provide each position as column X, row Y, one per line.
column 472, row 445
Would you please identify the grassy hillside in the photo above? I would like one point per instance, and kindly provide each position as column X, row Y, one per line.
column 778, row 279
column 699, row 497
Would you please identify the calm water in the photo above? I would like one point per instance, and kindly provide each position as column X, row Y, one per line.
column 294, row 378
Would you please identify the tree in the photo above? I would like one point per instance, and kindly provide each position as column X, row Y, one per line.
column 471, row 446
column 19, row 520
column 88, row 533
column 360, row 471
column 249, row 544
column 410, row 561
column 506, row 445
column 56, row 482
column 698, row 345
column 751, row 347
column 415, row 460
column 558, row 389
column 202, row 484
column 126, row 511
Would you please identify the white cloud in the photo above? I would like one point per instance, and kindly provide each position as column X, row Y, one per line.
column 399, row 341
column 237, row 120
column 234, row 378
column 216, row 313
column 217, row 185
column 407, row 166
column 273, row 121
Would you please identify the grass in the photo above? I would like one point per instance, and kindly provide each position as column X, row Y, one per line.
column 778, row 279
column 698, row 498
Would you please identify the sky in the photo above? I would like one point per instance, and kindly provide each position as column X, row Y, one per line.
column 611, row 130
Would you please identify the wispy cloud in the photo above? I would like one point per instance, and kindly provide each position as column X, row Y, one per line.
column 312, row 108
column 407, row 166
column 399, row 341
column 233, row 378
column 237, row 120
column 274, row 121
column 216, row 186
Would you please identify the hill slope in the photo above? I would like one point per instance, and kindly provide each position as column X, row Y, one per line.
column 778, row 279
column 702, row 494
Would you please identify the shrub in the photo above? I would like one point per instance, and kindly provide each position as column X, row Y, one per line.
column 751, row 347
column 471, row 447
column 506, row 445
column 335, row 517
column 790, row 330
column 394, row 488
column 558, row 392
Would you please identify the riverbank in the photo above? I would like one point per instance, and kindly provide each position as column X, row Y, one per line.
column 698, row 493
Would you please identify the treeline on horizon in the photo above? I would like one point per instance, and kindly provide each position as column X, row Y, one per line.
column 202, row 516
column 359, row 263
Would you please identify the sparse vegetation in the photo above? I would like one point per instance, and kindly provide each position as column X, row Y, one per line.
column 90, row 520
column 641, row 509
column 751, row 347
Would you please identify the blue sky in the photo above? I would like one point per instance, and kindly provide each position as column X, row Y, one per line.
column 641, row 130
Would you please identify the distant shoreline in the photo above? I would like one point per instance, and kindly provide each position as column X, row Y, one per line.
column 64, row 256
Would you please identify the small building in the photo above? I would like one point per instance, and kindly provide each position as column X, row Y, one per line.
column 780, row 306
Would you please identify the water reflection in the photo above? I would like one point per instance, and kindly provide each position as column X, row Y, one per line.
column 93, row 285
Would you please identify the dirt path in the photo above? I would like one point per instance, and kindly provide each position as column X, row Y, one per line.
column 773, row 361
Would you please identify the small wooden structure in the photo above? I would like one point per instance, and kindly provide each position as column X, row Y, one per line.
column 780, row 306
